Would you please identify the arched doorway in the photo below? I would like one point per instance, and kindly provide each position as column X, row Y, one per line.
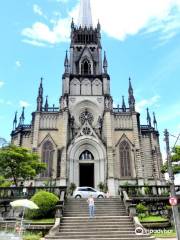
column 86, row 169
column 87, row 164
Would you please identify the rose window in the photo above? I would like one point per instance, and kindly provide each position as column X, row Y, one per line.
column 86, row 130
column 86, row 116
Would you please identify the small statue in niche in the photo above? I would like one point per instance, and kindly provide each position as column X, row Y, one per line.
column 106, row 103
column 100, row 123
column 72, row 125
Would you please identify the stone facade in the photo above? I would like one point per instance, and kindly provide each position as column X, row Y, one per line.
column 85, row 140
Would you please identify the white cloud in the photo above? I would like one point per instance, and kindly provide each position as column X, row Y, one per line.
column 1, row 84
column 18, row 64
column 42, row 34
column 37, row 10
column 147, row 103
column 118, row 18
column 34, row 43
column 23, row 103
column 127, row 17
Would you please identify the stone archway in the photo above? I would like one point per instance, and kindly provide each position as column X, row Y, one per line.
column 97, row 167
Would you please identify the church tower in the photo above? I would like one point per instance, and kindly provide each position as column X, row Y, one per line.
column 86, row 91
column 86, row 140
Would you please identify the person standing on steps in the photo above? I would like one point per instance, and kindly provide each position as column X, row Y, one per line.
column 91, row 206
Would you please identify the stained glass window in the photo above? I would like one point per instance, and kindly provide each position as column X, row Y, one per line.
column 125, row 159
column 47, row 158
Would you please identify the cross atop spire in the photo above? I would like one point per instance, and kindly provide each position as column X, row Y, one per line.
column 85, row 16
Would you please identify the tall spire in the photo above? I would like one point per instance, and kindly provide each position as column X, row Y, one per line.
column 66, row 63
column 131, row 97
column 15, row 121
column 85, row 16
column 22, row 117
column 105, row 63
column 46, row 106
column 148, row 118
column 154, row 121
column 123, row 104
column 40, row 96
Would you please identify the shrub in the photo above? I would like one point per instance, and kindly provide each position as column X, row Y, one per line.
column 141, row 210
column 103, row 187
column 46, row 202
column 4, row 182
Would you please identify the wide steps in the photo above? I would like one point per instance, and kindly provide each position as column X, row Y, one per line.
column 110, row 222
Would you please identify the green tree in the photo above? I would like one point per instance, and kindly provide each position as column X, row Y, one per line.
column 19, row 163
column 175, row 158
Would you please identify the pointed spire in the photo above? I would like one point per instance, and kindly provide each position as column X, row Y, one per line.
column 105, row 63
column 131, row 97
column 154, row 121
column 15, row 121
column 85, row 16
column 66, row 63
column 22, row 117
column 46, row 106
column 98, row 26
column 148, row 118
column 72, row 24
column 40, row 96
column 123, row 104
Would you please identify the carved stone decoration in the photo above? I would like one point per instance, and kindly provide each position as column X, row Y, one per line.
column 99, row 99
column 64, row 103
column 86, row 116
column 72, row 99
column 86, row 130
column 108, row 103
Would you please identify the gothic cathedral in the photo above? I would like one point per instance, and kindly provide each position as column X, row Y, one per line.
column 86, row 140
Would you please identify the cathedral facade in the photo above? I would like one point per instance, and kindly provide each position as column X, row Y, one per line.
column 86, row 140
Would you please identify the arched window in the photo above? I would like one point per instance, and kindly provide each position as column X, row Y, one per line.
column 86, row 67
column 125, row 159
column 47, row 158
column 86, row 155
column 75, row 87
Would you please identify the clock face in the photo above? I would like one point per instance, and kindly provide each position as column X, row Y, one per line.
column 86, row 116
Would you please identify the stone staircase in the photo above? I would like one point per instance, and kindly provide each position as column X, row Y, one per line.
column 110, row 222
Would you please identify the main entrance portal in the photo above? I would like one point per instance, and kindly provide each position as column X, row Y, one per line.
column 86, row 174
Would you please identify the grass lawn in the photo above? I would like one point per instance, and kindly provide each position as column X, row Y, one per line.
column 43, row 221
column 32, row 236
column 165, row 233
column 153, row 219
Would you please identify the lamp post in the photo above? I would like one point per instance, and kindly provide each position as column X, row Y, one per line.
column 172, row 187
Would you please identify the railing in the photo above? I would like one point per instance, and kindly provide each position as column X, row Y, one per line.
column 147, row 191
column 120, row 110
column 50, row 109
column 12, row 193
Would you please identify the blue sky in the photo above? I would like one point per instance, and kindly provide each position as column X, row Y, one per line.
column 141, row 39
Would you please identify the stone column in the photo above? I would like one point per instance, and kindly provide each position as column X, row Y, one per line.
column 139, row 169
column 64, row 140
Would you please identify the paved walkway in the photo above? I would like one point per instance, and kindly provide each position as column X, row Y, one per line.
column 166, row 238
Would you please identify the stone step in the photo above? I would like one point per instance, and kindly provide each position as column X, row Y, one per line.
column 110, row 222
column 107, row 238
column 96, row 229
column 95, row 237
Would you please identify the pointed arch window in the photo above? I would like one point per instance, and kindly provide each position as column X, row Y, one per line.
column 47, row 158
column 86, row 155
column 86, row 67
column 125, row 159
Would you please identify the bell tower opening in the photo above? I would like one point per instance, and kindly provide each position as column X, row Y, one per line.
column 86, row 68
